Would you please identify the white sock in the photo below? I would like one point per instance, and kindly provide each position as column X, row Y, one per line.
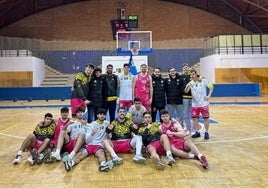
column 114, row 155
column 190, row 155
column 168, row 153
column 57, row 151
column 102, row 163
column 138, row 147
column 200, row 155
column 19, row 152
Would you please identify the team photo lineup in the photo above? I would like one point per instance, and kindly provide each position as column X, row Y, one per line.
column 147, row 113
column 134, row 94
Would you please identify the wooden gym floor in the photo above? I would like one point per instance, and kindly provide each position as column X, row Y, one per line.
column 237, row 152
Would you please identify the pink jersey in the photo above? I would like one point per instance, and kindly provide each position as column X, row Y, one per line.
column 142, row 89
column 178, row 142
column 60, row 124
column 170, row 127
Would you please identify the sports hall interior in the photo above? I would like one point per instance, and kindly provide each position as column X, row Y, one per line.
column 66, row 35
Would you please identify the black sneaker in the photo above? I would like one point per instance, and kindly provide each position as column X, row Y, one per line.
column 206, row 136
column 196, row 134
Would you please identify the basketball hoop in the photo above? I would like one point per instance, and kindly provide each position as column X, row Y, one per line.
column 135, row 51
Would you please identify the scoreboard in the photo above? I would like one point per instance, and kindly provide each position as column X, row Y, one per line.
column 124, row 25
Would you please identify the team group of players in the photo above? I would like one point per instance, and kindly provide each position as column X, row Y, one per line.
column 80, row 136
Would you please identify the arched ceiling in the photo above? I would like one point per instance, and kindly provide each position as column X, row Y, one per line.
column 250, row 14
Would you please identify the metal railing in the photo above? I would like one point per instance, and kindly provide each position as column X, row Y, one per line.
column 236, row 44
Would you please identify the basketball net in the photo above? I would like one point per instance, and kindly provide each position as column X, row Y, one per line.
column 135, row 51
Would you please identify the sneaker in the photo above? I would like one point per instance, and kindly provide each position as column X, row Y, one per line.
column 170, row 160
column 104, row 167
column 36, row 157
column 203, row 161
column 30, row 160
column 118, row 161
column 17, row 159
column 206, row 136
column 196, row 157
column 158, row 162
column 111, row 164
column 47, row 157
column 55, row 157
column 67, row 162
column 139, row 159
column 196, row 135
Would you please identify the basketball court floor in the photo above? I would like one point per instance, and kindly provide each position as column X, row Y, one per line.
column 237, row 151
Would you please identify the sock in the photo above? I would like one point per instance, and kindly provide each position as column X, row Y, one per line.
column 168, row 153
column 114, row 155
column 190, row 155
column 19, row 152
column 200, row 155
column 138, row 147
column 57, row 151
column 72, row 154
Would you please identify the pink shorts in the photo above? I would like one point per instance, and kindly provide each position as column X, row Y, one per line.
column 37, row 145
column 69, row 146
column 158, row 147
column 204, row 111
column 125, row 103
column 92, row 149
column 75, row 103
column 122, row 146
column 178, row 143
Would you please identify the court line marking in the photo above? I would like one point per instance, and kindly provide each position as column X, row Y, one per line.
column 67, row 105
column 10, row 127
column 236, row 140
column 9, row 135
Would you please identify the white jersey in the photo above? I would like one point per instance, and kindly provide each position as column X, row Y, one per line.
column 137, row 115
column 75, row 129
column 199, row 92
column 126, row 86
column 99, row 136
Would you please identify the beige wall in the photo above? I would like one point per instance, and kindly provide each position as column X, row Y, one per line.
column 89, row 21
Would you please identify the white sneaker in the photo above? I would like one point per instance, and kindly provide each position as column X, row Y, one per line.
column 67, row 162
column 139, row 159
column 158, row 162
column 30, row 160
column 104, row 167
column 17, row 159
column 117, row 160
column 55, row 157
column 170, row 160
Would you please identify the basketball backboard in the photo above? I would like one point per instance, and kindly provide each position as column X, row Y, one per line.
column 134, row 42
